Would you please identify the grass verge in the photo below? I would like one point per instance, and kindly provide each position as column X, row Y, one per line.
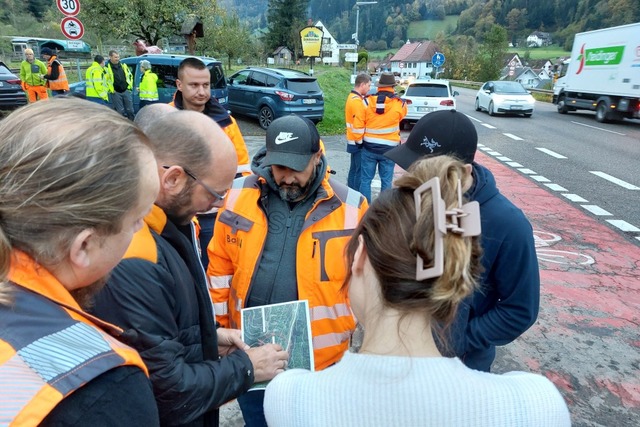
column 335, row 84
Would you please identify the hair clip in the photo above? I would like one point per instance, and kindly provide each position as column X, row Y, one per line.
column 463, row 220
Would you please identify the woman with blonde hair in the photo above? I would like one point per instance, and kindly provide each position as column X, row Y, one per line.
column 76, row 179
column 414, row 257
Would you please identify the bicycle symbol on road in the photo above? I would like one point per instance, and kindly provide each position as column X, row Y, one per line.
column 544, row 240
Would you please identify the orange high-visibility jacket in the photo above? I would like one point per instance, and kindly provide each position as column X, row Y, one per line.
column 61, row 83
column 355, row 105
column 381, row 120
column 42, row 320
column 238, row 239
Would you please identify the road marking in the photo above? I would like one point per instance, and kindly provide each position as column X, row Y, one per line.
column 551, row 153
column 504, row 159
column 483, row 148
column 556, row 187
column 596, row 210
column 595, row 127
column 527, row 171
column 487, row 125
column 575, row 198
column 494, row 153
column 514, row 164
column 540, row 178
column 623, row 225
column 512, row 136
column 473, row 118
column 615, row 180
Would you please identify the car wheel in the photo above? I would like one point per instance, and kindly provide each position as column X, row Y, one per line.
column 478, row 105
column 562, row 105
column 491, row 112
column 602, row 115
column 265, row 117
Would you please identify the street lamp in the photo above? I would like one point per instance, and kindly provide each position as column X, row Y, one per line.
column 358, row 4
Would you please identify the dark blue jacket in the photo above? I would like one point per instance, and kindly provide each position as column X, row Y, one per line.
column 507, row 301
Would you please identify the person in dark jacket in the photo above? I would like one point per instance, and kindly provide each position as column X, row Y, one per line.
column 507, row 302
column 160, row 290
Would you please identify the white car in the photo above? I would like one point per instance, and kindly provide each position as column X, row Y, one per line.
column 505, row 97
column 425, row 96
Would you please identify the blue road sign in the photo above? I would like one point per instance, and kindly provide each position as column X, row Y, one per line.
column 438, row 59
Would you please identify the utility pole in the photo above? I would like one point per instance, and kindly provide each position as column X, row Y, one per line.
column 358, row 4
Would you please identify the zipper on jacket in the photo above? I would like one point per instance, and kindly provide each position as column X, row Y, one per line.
column 313, row 253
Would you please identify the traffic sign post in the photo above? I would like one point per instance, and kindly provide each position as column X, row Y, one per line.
column 68, row 7
column 72, row 28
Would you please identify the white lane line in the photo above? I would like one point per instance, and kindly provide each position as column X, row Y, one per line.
column 480, row 145
column 514, row 164
column 473, row 118
column 487, row 125
column 527, row 171
column 623, row 225
column 540, row 178
column 615, row 180
column 556, row 187
column 512, row 136
column 551, row 153
column 596, row 210
column 575, row 198
column 483, row 148
column 504, row 159
column 494, row 153
column 595, row 127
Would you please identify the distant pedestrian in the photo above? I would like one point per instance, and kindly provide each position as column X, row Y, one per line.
column 148, row 89
column 96, row 89
column 380, row 122
column 56, row 77
column 356, row 104
column 32, row 73
column 413, row 259
column 119, row 84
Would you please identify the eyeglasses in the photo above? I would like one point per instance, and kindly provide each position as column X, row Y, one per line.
column 217, row 196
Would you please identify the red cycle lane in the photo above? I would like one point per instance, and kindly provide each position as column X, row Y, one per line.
column 586, row 339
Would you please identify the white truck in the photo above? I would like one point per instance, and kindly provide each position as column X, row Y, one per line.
column 603, row 74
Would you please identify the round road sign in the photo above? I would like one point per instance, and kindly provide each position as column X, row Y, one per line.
column 68, row 7
column 438, row 59
column 72, row 28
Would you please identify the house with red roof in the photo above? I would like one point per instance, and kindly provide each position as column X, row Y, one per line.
column 414, row 59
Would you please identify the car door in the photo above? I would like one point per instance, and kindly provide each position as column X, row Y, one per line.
column 237, row 87
column 484, row 97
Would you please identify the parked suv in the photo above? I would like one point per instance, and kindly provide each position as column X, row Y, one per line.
column 166, row 67
column 269, row 93
column 425, row 96
column 11, row 93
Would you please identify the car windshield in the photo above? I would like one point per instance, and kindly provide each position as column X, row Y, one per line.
column 509, row 87
column 303, row 85
column 4, row 70
column 439, row 91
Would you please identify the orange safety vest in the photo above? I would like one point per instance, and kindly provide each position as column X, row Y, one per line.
column 238, row 239
column 355, row 105
column 61, row 82
column 42, row 320
column 381, row 119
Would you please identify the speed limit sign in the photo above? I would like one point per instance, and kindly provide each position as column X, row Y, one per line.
column 69, row 7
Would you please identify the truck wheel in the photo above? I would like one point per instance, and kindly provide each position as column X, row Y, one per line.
column 491, row 112
column 265, row 117
column 602, row 113
column 478, row 105
column 562, row 105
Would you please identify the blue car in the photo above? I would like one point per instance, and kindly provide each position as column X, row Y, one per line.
column 166, row 67
column 269, row 93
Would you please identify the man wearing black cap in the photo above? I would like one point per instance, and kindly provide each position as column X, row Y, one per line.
column 56, row 77
column 507, row 301
column 280, row 237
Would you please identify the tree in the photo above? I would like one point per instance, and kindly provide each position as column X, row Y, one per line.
column 151, row 20
column 492, row 53
column 231, row 38
column 285, row 20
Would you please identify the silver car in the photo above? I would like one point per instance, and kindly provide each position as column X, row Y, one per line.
column 425, row 96
column 505, row 97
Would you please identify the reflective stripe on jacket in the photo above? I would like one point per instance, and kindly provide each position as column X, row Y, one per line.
column 49, row 347
column 61, row 82
column 108, row 76
column 381, row 120
column 96, row 86
column 355, row 105
column 148, row 86
column 238, row 240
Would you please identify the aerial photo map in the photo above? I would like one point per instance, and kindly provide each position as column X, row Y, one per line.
column 287, row 324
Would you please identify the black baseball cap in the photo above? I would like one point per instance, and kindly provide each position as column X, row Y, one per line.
column 438, row 133
column 291, row 142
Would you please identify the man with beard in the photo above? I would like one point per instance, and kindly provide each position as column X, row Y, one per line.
column 280, row 237
column 159, row 290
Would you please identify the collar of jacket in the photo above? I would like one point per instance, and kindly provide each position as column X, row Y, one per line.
column 212, row 109
column 156, row 219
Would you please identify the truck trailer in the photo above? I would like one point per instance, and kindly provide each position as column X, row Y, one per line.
column 603, row 74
